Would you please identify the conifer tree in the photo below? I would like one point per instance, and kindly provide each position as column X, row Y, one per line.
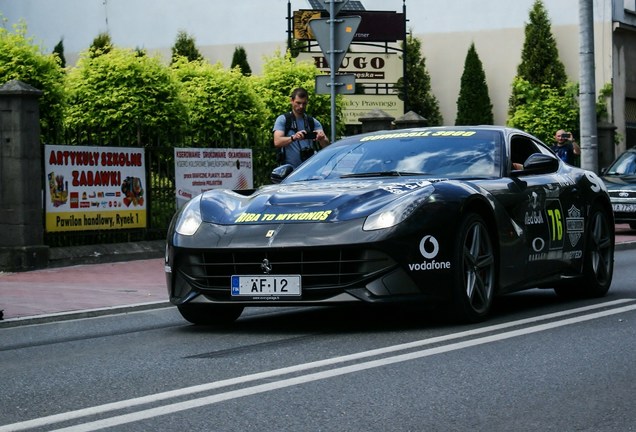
column 540, row 62
column 542, row 100
column 240, row 59
column 185, row 46
column 473, row 103
column 59, row 51
column 296, row 46
column 102, row 44
column 417, row 91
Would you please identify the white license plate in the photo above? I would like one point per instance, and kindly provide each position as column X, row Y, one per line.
column 266, row 286
column 624, row 208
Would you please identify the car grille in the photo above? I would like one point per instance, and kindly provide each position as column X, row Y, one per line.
column 622, row 194
column 324, row 270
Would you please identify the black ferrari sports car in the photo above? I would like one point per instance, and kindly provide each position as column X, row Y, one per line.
column 620, row 179
column 450, row 216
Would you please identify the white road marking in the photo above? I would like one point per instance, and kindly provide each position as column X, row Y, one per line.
column 233, row 394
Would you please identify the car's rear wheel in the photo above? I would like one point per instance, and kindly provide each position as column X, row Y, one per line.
column 474, row 280
column 210, row 314
column 598, row 264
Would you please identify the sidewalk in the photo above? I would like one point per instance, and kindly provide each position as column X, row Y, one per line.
column 86, row 281
column 86, row 290
column 89, row 289
column 625, row 237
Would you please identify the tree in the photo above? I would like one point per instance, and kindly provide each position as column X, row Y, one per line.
column 543, row 110
column 542, row 101
column 473, row 104
column 121, row 96
column 239, row 59
column 59, row 51
column 102, row 44
column 21, row 59
column 417, row 94
column 185, row 46
column 540, row 64
column 296, row 46
column 221, row 104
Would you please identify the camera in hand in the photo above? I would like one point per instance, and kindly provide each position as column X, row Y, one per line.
column 565, row 135
column 310, row 135
column 306, row 153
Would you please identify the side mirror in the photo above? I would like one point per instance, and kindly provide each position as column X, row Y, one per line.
column 539, row 163
column 280, row 173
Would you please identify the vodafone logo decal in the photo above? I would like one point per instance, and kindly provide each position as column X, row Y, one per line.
column 429, row 247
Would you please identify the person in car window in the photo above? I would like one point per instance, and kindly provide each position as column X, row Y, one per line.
column 565, row 147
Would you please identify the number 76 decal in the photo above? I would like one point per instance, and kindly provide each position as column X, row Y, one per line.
column 556, row 224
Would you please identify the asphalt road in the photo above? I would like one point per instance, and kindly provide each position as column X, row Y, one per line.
column 540, row 363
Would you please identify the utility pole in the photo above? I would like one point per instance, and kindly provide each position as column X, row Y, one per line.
column 334, row 35
column 587, row 87
column 405, row 78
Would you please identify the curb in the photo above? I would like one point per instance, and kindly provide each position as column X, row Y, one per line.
column 625, row 246
column 88, row 313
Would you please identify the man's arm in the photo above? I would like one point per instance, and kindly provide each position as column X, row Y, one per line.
column 280, row 140
column 575, row 147
column 280, row 130
column 321, row 138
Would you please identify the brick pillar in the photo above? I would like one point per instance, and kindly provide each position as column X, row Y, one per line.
column 21, row 211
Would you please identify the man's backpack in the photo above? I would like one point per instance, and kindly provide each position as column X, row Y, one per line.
column 289, row 125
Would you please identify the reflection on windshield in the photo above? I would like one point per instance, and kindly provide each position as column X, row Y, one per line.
column 444, row 156
column 624, row 165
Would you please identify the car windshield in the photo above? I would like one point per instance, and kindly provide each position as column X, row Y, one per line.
column 624, row 165
column 436, row 153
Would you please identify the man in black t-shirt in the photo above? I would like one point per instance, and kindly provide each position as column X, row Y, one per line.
column 565, row 147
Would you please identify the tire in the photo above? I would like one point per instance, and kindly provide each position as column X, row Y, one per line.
column 475, row 279
column 598, row 259
column 210, row 314
column 632, row 225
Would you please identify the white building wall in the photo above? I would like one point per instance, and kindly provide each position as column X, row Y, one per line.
column 500, row 53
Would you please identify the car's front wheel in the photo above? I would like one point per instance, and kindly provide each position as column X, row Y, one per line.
column 474, row 280
column 210, row 314
column 598, row 259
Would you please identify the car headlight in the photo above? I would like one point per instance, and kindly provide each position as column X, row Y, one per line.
column 397, row 211
column 190, row 217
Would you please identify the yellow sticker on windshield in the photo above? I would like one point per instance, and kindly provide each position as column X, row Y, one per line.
column 437, row 133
